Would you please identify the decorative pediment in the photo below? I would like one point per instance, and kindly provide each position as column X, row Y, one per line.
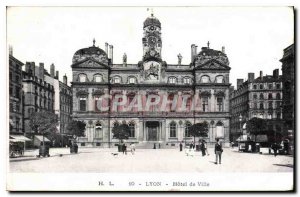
column 82, row 93
column 152, row 92
column 219, row 93
column 98, row 93
column 131, row 93
column 90, row 63
column 211, row 64
column 205, row 94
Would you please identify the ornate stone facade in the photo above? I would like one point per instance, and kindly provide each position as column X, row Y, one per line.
column 185, row 94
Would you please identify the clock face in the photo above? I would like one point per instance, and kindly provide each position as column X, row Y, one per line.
column 152, row 28
column 151, row 41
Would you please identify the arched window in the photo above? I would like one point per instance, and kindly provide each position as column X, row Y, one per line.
column 219, row 79
column 270, row 115
column 261, row 106
column 205, row 79
column 82, row 77
column 187, row 126
column 270, row 86
column 261, row 96
column 205, row 103
column 172, row 129
column 270, row 105
column 131, row 80
column 278, row 97
column 117, row 79
column 254, row 87
column 98, row 130
column 255, row 105
column 132, row 129
column 172, row 80
column 278, row 85
column 254, row 96
column 220, row 104
column 261, row 86
column 219, row 130
column 186, row 80
column 98, row 78
column 270, row 96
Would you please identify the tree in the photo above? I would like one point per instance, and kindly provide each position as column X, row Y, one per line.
column 43, row 122
column 256, row 126
column 199, row 130
column 76, row 128
column 121, row 132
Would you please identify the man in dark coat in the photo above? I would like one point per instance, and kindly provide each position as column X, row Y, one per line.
column 202, row 147
column 180, row 146
column 218, row 151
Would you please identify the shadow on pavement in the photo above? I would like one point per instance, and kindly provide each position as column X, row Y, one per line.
column 24, row 159
column 285, row 165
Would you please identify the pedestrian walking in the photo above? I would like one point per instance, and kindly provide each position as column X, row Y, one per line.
column 202, row 148
column 124, row 149
column 132, row 148
column 180, row 147
column 275, row 148
column 218, row 151
column 205, row 147
column 286, row 146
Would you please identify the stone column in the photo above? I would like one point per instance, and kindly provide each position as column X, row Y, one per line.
column 144, row 130
column 164, row 130
column 90, row 103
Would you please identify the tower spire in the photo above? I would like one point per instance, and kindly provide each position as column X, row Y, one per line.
column 208, row 44
column 94, row 41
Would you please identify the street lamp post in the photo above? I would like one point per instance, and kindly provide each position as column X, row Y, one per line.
column 240, row 119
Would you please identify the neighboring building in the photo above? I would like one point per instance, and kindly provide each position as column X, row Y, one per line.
column 38, row 94
column 201, row 89
column 261, row 98
column 15, row 95
column 288, row 81
column 62, row 98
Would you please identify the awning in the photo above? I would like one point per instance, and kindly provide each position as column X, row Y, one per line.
column 18, row 138
column 242, row 138
column 260, row 138
column 40, row 138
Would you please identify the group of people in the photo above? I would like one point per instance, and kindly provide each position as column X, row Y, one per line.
column 203, row 148
column 124, row 148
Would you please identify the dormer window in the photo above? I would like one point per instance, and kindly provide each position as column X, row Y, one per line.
column 172, row 80
column 132, row 80
column 219, row 79
column 97, row 78
column 117, row 80
column 205, row 79
column 82, row 78
column 186, row 80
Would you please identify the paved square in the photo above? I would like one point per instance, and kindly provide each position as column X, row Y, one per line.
column 148, row 160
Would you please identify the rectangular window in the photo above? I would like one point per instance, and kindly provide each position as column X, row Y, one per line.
column 131, row 80
column 220, row 104
column 98, row 103
column 205, row 104
column 117, row 80
column 82, row 104
column 186, row 80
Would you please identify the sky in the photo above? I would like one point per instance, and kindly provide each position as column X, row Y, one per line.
column 254, row 37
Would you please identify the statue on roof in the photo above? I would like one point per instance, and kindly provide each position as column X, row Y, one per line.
column 179, row 58
column 124, row 58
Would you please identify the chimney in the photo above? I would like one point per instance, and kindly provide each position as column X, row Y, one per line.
column 106, row 48
column 52, row 70
column 111, row 53
column 57, row 75
column 239, row 82
column 193, row 52
column 27, row 67
column 10, row 49
column 32, row 68
column 231, row 89
column 276, row 73
column 65, row 79
column 261, row 75
column 223, row 49
column 42, row 71
column 37, row 72
column 250, row 77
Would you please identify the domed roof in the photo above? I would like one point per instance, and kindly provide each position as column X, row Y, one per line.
column 152, row 21
column 90, row 52
column 207, row 54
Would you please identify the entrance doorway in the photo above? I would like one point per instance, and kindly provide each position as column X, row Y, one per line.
column 152, row 130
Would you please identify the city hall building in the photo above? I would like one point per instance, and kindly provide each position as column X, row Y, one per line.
column 158, row 100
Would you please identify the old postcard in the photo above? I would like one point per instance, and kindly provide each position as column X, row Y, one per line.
column 150, row 98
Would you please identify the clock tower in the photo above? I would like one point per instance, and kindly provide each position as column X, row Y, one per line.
column 152, row 39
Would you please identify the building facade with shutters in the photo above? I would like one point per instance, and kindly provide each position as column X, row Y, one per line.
column 159, row 101
column 259, row 97
column 15, row 95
